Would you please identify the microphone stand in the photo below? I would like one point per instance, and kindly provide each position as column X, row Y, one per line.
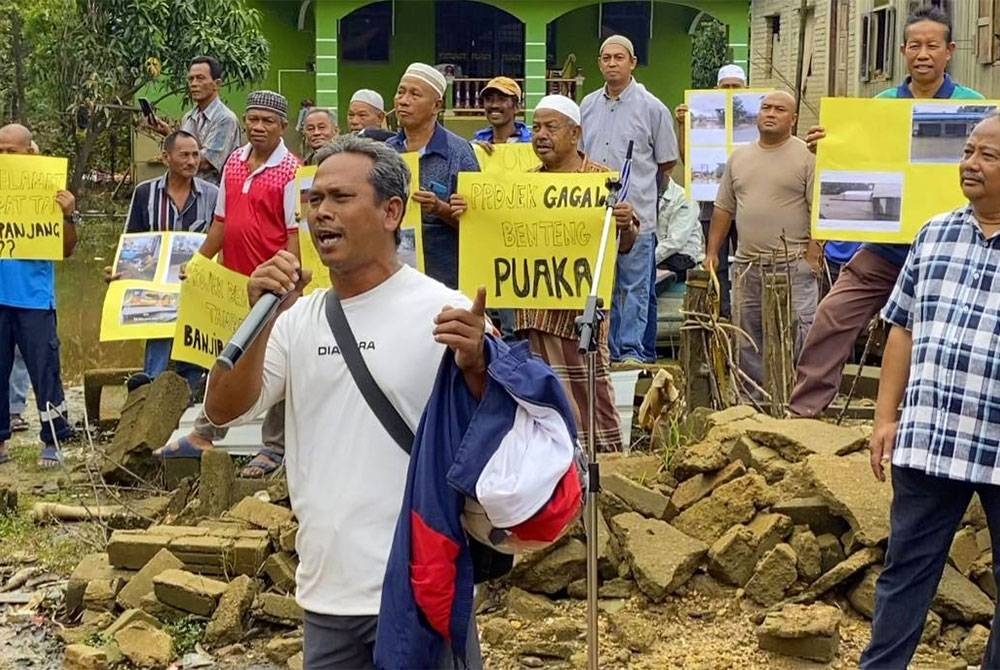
column 588, row 326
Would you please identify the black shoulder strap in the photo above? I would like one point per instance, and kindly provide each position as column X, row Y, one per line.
column 381, row 406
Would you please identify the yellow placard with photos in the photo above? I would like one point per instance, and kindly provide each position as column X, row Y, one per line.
column 213, row 304
column 510, row 157
column 31, row 221
column 410, row 247
column 717, row 121
column 886, row 166
column 532, row 238
column 142, row 304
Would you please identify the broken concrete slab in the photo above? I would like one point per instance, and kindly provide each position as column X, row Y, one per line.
column 639, row 498
column 851, row 492
column 161, row 611
column 227, row 625
column 730, row 504
column 278, row 609
column 769, row 529
column 216, row 487
column 797, row 439
column 731, row 415
column 84, row 657
column 261, row 514
column 127, row 618
column 862, row 594
column 847, row 568
column 973, row 647
column 552, row 569
column 707, row 456
column 958, row 599
column 145, row 645
column 830, row 551
column 528, row 606
column 287, row 535
column 99, row 596
column 91, row 567
column 773, row 575
column 132, row 549
column 964, row 550
column 189, row 592
column 142, row 582
column 812, row 511
column 280, row 569
column 732, row 558
column 700, row 486
column 278, row 650
column 638, row 468
column 811, row 632
column 807, row 549
column 661, row 557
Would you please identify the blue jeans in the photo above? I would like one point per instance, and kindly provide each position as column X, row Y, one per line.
column 158, row 359
column 19, row 382
column 634, row 277
column 925, row 514
column 33, row 331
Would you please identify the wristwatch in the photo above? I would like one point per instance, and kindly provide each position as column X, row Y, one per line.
column 73, row 217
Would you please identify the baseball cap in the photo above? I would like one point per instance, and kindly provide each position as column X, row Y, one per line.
column 504, row 85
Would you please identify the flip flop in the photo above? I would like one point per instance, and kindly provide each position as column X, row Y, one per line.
column 184, row 449
column 51, row 454
column 266, row 460
column 18, row 423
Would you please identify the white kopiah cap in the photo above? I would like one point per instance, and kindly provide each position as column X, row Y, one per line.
column 561, row 104
column 731, row 71
column 370, row 97
column 429, row 75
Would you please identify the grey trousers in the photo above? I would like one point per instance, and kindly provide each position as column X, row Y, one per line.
column 747, row 310
column 348, row 643
column 272, row 432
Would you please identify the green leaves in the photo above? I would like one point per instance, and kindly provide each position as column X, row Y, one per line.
column 709, row 52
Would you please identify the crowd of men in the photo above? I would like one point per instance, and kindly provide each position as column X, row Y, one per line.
column 939, row 297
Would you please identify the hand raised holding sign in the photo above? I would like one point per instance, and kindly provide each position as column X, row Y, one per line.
column 464, row 331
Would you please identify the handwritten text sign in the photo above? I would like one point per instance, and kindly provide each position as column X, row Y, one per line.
column 30, row 218
column 213, row 305
column 532, row 238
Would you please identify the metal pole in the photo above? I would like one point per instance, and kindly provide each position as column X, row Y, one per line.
column 592, row 514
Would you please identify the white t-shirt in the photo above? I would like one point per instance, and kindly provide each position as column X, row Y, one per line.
column 345, row 474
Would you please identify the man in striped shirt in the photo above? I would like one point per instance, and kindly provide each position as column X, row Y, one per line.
column 940, row 363
column 175, row 201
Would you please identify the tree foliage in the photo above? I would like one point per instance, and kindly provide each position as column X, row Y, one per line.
column 88, row 58
column 709, row 52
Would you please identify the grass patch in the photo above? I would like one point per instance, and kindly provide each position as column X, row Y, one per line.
column 58, row 548
column 186, row 632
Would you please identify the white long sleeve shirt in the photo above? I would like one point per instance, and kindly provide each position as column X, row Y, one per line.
column 678, row 229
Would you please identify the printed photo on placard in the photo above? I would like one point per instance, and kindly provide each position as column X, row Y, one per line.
column 139, row 256
column 870, row 201
column 746, row 107
column 141, row 305
column 182, row 247
column 708, row 119
column 707, row 166
column 939, row 131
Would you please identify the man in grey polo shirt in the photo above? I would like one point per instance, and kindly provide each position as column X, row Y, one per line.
column 624, row 110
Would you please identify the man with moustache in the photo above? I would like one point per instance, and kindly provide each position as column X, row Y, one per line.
column 620, row 111
column 254, row 219
column 319, row 128
column 864, row 283
column 940, row 363
column 443, row 154
column 210, row 120
column 768, row 187
column 500, row 99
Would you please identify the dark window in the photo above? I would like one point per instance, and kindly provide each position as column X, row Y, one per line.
column 631, row 19
column 773, row 44
column 481, row 41
column 365, row 33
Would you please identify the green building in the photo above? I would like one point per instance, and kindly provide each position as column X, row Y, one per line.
column 324, row 50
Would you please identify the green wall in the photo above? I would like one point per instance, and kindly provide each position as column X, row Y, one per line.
column 413, row 41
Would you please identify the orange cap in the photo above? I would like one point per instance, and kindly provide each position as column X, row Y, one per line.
column 505, row 85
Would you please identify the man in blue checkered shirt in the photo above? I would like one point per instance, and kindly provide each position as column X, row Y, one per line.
column 941, row 361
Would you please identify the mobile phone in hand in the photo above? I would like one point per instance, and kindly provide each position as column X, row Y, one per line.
column 439, row 189
column 147, row 111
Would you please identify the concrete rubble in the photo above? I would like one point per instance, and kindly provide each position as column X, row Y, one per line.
column 780, row 516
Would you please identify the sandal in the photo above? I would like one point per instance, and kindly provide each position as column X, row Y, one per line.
column 184, row 449
column 50, row 457
column 18, row 424
column 264, row 463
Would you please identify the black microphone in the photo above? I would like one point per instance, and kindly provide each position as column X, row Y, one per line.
column 248, row 331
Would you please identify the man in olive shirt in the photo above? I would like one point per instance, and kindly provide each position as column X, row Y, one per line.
column 768, row 187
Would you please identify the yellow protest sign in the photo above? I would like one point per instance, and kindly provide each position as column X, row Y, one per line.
column 532, row 238
column 411, row 219
column 513, row 157
column 886, row 166
column 213, row 305
column 717, row 122
column 410, row 250
column 31, row 222
column 142, row 304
